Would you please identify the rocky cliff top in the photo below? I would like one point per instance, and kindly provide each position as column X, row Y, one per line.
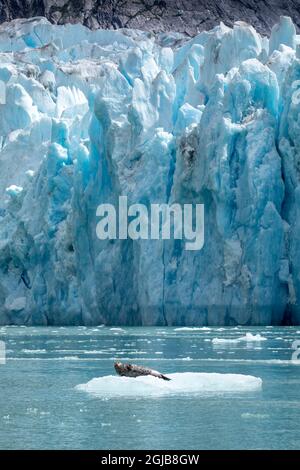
column 184, row 16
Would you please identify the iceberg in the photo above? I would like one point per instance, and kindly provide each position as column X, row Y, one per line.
column 195, row 383
column 89, row 116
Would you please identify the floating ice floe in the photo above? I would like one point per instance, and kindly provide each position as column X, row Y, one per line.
column 180, row 384
column 33, row 351
column 254, row 416
column 193, row 328
column 249, row 337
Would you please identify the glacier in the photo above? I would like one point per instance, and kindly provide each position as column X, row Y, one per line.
column 87, row 116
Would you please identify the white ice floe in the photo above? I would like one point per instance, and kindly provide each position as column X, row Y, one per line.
column 249, row 337
column 180, row 384
column 33, row 351
column 192, row 328
column 254, row 416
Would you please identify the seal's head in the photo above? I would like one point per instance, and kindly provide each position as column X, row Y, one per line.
column 118, row 366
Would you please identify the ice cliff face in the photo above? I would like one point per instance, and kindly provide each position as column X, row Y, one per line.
column 87, row 116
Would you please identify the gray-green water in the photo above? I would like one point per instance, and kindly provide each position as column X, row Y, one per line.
column 40, row 408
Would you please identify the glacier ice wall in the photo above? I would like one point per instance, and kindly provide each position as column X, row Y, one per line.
column 87, row 116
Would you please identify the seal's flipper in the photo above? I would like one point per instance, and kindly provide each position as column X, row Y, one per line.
column 164, row 377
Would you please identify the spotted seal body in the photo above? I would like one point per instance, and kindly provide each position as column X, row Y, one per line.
column 131, row 370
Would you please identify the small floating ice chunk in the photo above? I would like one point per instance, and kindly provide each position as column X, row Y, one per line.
column 33, row 351
column 249, row 337
column 180, row 384
column 69, row 358
column 192, row 328
column 32, row 411
column 254, row 416
column 116, row 329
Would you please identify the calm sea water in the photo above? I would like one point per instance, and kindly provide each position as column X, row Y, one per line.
column 40, row 407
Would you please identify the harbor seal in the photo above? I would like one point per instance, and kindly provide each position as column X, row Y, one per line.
column 131, row 370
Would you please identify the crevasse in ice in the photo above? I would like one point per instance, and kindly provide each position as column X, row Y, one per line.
column 87, row 116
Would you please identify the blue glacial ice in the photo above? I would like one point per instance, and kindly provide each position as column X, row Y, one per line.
column 88, row 116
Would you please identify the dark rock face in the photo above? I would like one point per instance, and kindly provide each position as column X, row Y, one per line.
column 184, row 16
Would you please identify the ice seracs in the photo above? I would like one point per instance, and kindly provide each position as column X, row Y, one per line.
column 89, row 116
